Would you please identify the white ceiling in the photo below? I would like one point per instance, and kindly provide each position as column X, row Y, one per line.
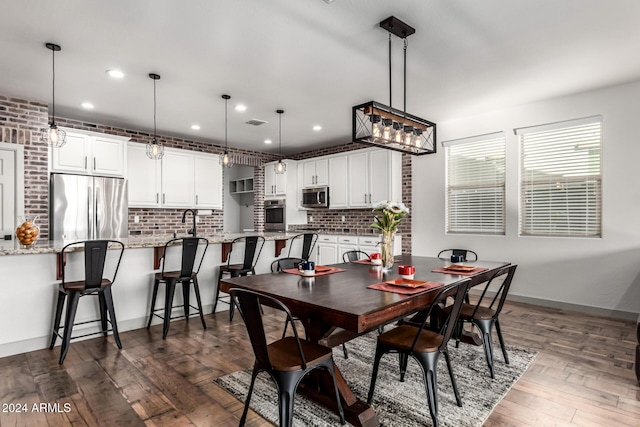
column 312, row 59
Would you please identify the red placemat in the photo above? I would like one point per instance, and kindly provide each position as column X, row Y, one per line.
column 404, row 291
column 368, row 262
column 320, row 271
column 460, row 273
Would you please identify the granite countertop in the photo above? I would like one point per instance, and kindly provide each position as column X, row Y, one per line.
column 13, row 247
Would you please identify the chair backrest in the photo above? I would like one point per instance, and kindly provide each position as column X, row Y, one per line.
column 249, row 307
column 351, row 256
column 501, row 294
column 467, row 254
column 285, row 263
column 252, row 248
column 189, row 253
column 448, row 324
column 95, row 255
column 308, row 243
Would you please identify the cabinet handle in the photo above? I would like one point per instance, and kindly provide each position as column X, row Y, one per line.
column 157, row 197
column 94, row 163
column 196, row 199
column 365, row 197
column 162, row 197
column 85, row 162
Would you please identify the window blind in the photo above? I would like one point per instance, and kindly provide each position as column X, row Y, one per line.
column 561, row 187
column 476, row 184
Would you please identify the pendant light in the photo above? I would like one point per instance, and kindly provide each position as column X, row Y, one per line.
column 280, row 167
column 155, row 150
column 225, row 159
column 52, row 135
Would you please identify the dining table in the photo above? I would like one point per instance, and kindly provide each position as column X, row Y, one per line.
column 338, row 306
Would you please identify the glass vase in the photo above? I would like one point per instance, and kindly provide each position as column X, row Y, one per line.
column 386, row 249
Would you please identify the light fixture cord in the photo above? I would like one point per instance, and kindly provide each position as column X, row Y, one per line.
column 406, row 43
column 390, row 98
column 53, row 72
column 280, row 135
column 226, row 144
column 154, row 111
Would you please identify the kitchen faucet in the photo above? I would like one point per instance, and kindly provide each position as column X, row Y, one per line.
column 184, row 218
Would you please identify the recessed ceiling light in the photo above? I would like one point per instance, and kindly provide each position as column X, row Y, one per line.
column 87, row 105
column 267, row 141
column 116, row 74
column 195, row 127
column 317, row 128
column 241, row 107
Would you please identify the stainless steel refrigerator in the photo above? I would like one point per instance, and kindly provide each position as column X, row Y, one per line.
column 87, row 207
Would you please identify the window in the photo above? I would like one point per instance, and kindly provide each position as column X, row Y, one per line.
column 475, row 184
column 561, row 184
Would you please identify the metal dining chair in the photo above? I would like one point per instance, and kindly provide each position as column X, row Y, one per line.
column 467, row 254
column 286, row 360
column 308, row 243
column 425, row 346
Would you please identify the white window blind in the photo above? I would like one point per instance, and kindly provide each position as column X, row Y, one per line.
column 476, row 184
column 560, row 172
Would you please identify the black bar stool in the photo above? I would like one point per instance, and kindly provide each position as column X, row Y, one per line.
column 252, row 248
column 185, row 275
column 95, row 254
column 308, row 243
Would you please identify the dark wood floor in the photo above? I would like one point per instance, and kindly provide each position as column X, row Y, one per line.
column 582, row 376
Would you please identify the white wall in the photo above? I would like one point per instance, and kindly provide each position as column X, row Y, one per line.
column 603, row 273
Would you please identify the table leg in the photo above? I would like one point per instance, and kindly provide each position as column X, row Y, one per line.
column 320, row 386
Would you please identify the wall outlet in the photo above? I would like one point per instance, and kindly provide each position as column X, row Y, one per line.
column 136, row 219
column 342, row 218
column 310, row 218
column 197, row 219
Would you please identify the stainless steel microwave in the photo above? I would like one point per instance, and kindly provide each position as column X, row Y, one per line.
column 317, row 197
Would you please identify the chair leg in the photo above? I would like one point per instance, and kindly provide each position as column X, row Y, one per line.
column 108, row 298
column 344, row 351
column 504, row 349
column 286, row 325
column 429, row 362
column 458, row 331
column 254, row 374
column 56, row 322
column 103, row 314
column 168, row 303
column 403, row 358
column 332, row 371
column 217, row 295
column 374, row 374
column 153, row 301
column 485, row 327
column 453, row 378
column 72, row 306
column 196, row 289
column 185, row 298
column 287, row 383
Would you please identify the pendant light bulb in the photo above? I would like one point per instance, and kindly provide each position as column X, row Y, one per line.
column 225, row 159
column 155, row 150
column 280, row 167
column 52, row 135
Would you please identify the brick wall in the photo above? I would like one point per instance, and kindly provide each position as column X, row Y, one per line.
column 20, row 123
column 358, row 221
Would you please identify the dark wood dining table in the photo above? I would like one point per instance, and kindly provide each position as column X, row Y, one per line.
column 335, row 308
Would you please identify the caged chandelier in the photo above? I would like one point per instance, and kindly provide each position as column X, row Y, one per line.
column 53, row 135
column 384, row 126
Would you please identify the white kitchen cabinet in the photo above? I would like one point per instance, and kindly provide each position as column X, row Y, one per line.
column 90, row 153
column 327, row 250
column 369, row 245
column 143, row 175
column 338, row 189
column 358, row 180
column 177, row 179
column 374, row 175
column 315, row 172
column 207, row 181
column 275, row 185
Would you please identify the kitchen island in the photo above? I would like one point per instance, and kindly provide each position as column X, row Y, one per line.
column 30, row 284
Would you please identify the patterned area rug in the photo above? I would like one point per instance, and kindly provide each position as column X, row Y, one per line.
column 396, row 403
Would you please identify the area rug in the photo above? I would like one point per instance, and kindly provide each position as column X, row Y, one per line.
column 399, row 403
